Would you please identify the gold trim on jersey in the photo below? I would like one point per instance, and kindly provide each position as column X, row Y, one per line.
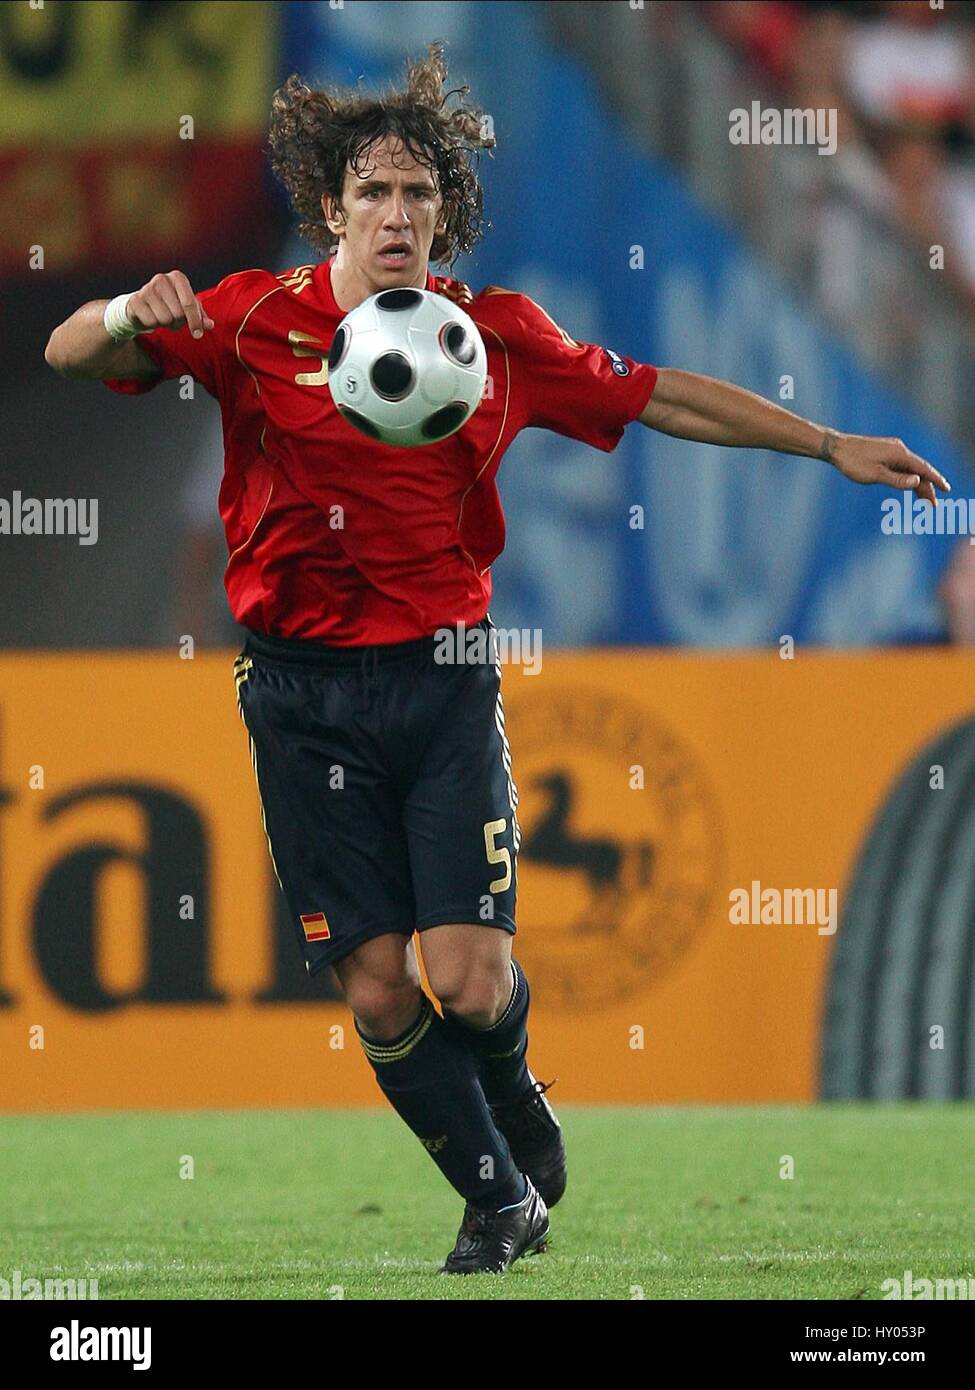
column 298, row 279
column 459, row 294
column 497, row 289
column 243, row 323
column 504, row 418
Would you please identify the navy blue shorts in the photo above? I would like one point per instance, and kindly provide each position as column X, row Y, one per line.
column 385, row 785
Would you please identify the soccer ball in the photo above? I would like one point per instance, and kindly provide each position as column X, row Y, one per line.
column 407, row 367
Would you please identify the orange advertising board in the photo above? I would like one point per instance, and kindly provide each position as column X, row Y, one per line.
column 145, row 960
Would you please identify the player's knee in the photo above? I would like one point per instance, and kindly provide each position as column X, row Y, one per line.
column 383, row 1008
column 476, row 995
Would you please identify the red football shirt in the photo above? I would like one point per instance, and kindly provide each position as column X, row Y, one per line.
column 333, row 537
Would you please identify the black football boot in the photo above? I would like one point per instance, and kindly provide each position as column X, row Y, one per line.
column 534, row 1137
column 489, row 1241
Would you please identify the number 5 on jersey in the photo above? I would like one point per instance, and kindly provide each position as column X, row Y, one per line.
column 318, row 378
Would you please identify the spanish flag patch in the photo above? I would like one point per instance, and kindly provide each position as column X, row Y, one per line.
column 316, row 928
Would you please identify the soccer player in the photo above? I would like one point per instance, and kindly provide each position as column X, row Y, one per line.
column 384, row 776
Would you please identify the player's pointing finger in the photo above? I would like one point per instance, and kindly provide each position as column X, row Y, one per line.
column 190, row 305
column 908, row 460
column 193, row 313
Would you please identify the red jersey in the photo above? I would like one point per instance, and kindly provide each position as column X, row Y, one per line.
column 336, row 538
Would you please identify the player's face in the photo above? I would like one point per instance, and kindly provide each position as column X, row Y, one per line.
column 394, row 203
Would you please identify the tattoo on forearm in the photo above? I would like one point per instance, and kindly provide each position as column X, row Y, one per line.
column 830, row 441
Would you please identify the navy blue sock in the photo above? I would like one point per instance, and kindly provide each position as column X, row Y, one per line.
column 431, row 1082
column 501, row 1050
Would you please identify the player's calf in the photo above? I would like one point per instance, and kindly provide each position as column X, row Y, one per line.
column 517, row 1100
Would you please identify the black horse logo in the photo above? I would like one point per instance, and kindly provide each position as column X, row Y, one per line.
column 614, row 868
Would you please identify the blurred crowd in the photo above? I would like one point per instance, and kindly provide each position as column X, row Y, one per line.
column 901, row 76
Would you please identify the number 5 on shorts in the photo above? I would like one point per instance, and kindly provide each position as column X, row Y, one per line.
column 497, row 854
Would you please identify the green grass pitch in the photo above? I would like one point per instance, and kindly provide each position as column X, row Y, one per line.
column 662, row 1203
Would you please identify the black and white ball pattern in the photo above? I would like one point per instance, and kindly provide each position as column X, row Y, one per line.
column 407, row 367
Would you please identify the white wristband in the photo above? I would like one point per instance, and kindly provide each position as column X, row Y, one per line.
column 118, row 325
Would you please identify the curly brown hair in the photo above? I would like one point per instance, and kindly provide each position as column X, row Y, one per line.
column 316, row 134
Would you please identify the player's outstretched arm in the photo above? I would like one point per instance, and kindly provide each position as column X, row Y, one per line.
column 98, row 341
column 690, row 406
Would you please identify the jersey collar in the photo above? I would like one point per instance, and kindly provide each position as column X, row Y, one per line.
column 324, row 275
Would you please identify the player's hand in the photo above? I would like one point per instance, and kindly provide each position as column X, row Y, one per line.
column 168, row 301
column 864, row 459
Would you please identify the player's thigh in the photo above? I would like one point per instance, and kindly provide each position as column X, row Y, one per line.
column 460, row 811
column 333, row 822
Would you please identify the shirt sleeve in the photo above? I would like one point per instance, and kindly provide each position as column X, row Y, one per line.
column 581, row 390
column 177, row 353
